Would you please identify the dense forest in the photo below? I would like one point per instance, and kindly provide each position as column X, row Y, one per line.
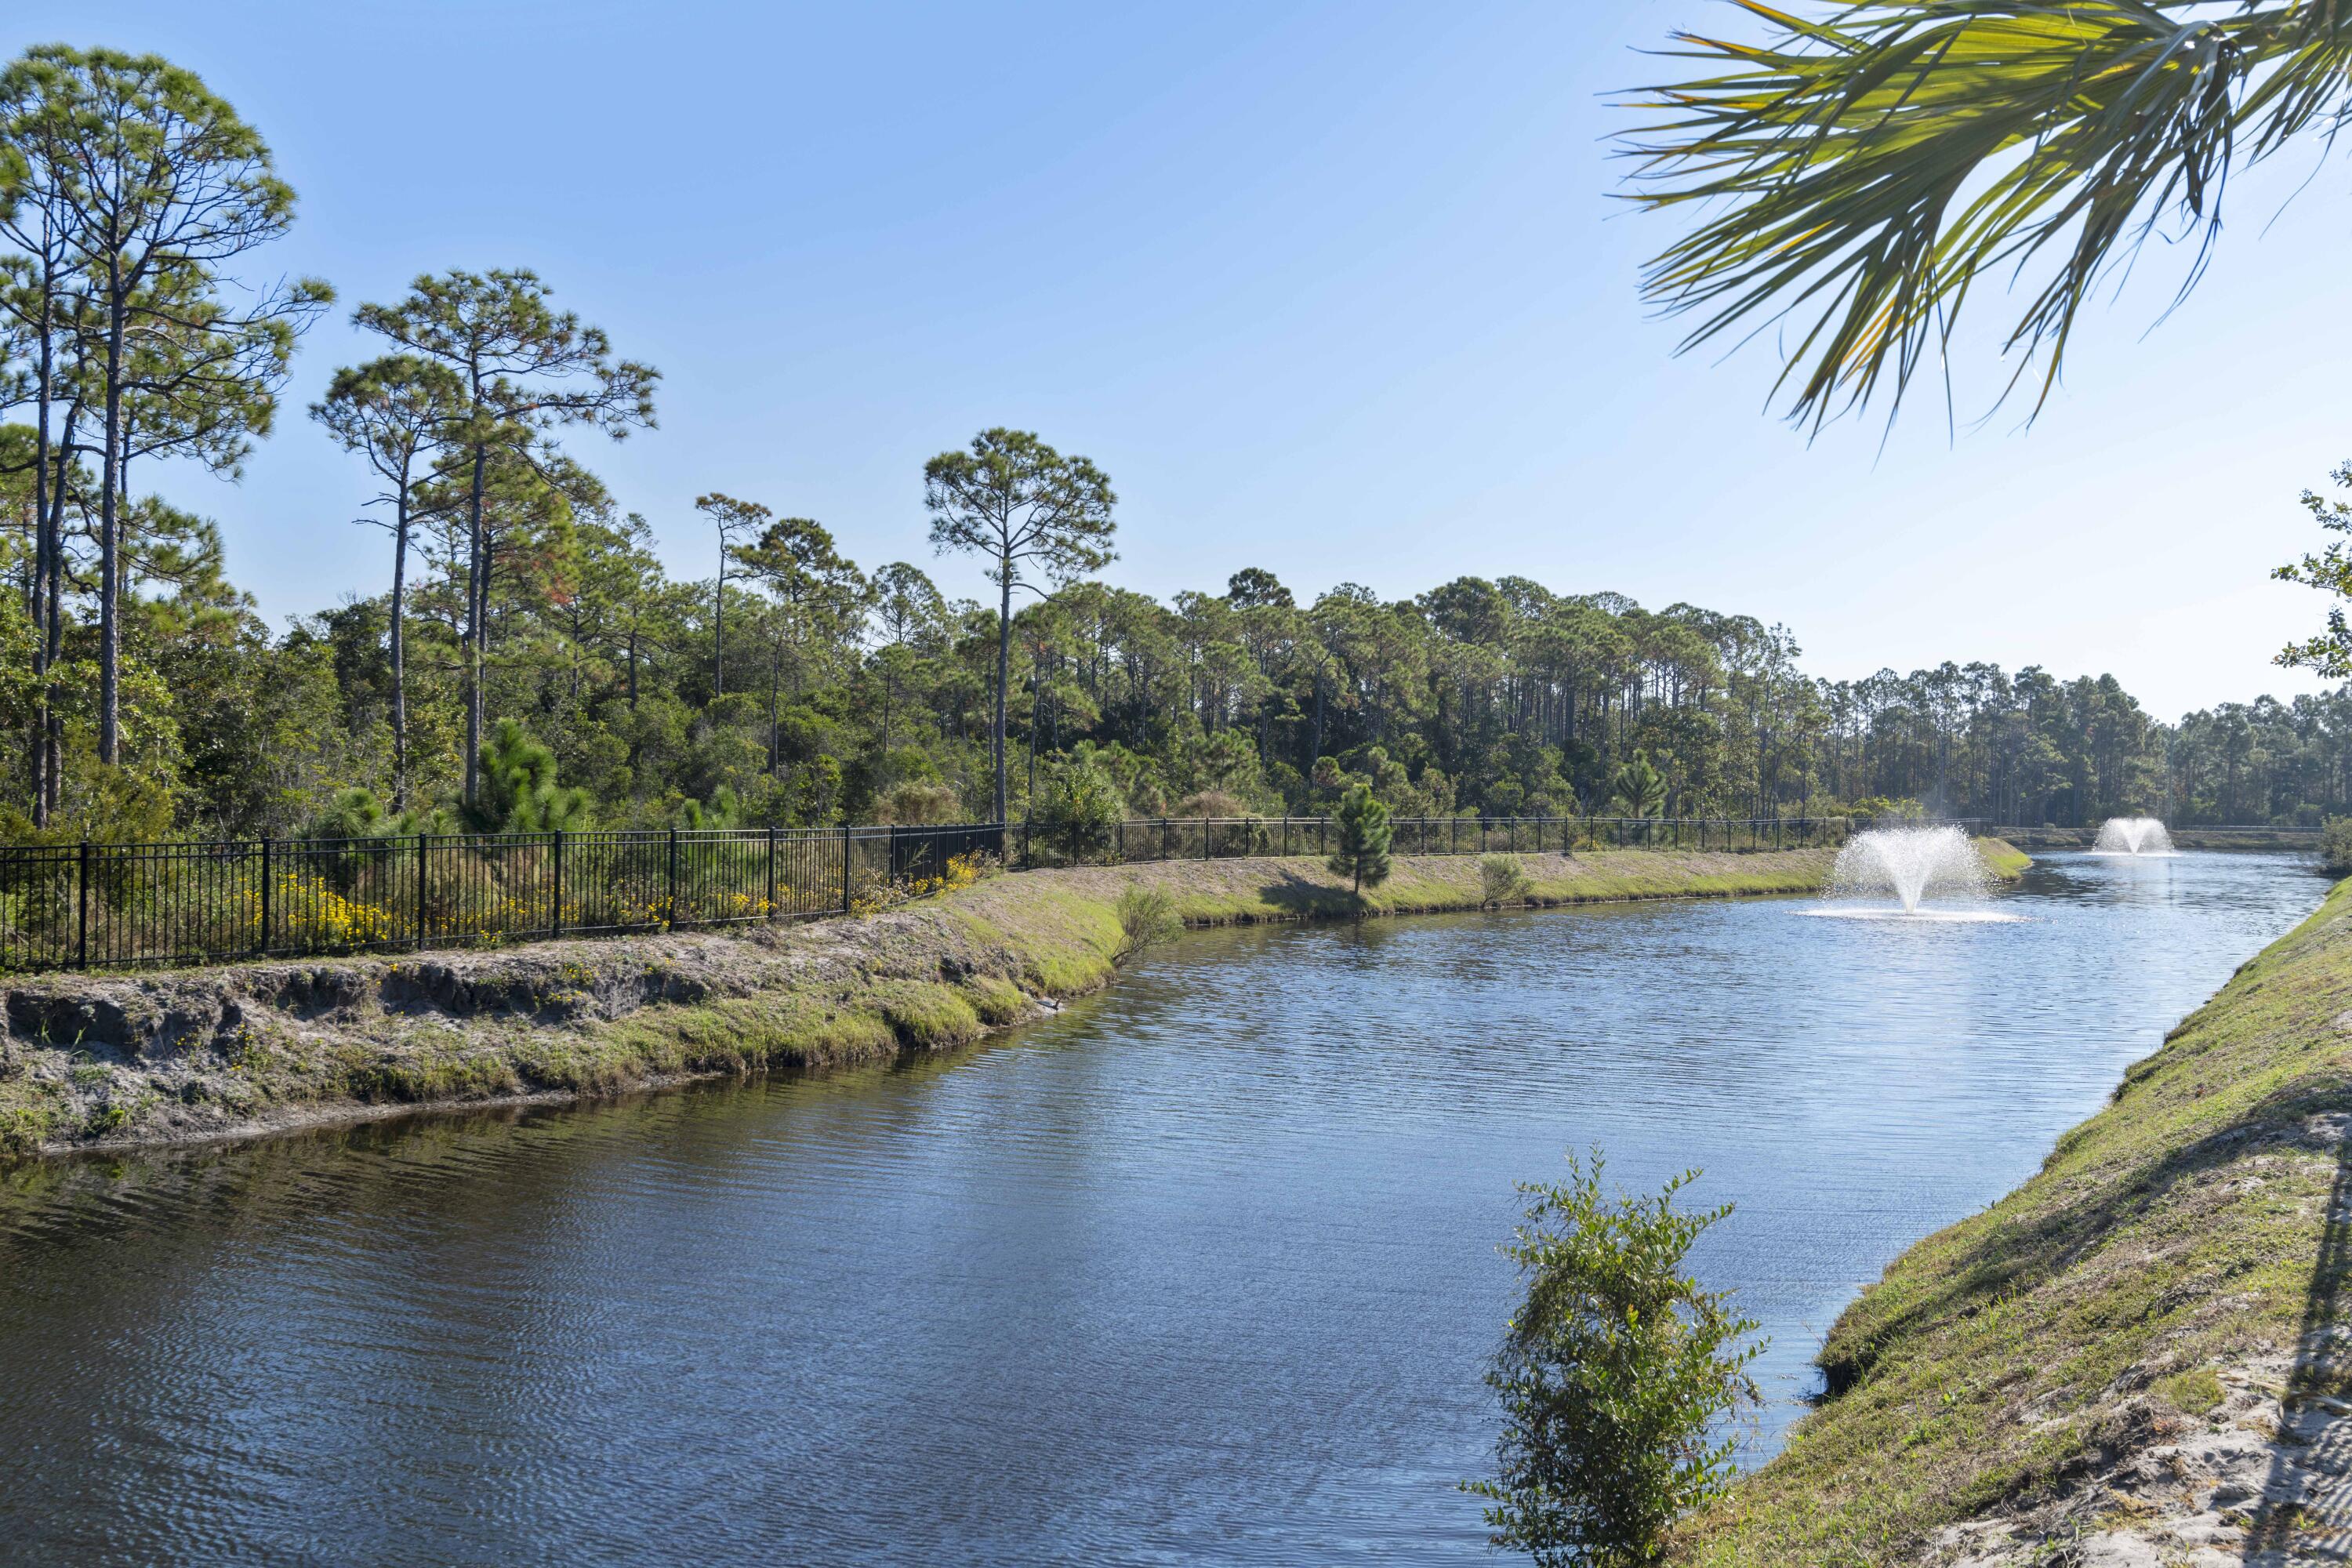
column 530, row 661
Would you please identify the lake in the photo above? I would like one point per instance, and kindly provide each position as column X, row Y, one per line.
column 1202, row 1270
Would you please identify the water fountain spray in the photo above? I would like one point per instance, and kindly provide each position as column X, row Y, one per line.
column 1912, row 863
column 2133, row 835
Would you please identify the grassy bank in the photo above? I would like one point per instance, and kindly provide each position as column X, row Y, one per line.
column 1231, row 892
column 174, row 1056
column 2096, row 1354
column 2286, row 839
column 2005, row 860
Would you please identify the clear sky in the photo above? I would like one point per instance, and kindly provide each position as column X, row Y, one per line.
column 1341, row 290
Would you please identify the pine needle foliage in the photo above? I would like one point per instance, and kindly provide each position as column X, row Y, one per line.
column 1639, row 789
column 1866, row 165
column 1360, row 839
column 519, row 792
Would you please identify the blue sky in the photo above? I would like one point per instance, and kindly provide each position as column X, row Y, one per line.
column 1340, row 290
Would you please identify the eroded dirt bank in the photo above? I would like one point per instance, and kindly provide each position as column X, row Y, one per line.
column 178, row 1055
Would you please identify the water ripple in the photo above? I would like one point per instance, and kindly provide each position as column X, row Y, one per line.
column 1203, row 1270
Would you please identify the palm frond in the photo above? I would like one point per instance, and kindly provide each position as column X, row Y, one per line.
column 1871, row 164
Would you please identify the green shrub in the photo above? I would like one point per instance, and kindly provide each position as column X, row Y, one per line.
column 1612, row 1375
column 2336, row 846
column 1503, row 879
column 1080, row 811
column 916, row 803
column 1146, row 918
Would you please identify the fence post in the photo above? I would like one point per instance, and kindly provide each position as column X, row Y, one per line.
column 892, row 852
column 81, row 941
column 420, row 890
column 670, row 918
column 844, row 868
column 772, row 871
column 555, row 920
column 1164, row 852
column 1204, row 838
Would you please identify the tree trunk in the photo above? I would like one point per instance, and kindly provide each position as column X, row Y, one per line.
column 44, row 575
column 1037, row 716
column 110, row 630
column 1004, row 672
column 400, row 650
column 53, row 634
column 476, row 603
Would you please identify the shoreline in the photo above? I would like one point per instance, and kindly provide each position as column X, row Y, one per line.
column 2137, row 1355
column 180, row 1057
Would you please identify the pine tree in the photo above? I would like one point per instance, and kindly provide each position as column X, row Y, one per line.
column 1019, row 505
column 518, row 793
column 526, row 370
column 1361, row 827
column 1641, row 789
column 396, row 411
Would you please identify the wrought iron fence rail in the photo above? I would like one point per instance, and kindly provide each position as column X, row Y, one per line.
column 110, row 906
column 1145, row 839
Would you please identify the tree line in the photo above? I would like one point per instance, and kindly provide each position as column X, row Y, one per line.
column 531, row 661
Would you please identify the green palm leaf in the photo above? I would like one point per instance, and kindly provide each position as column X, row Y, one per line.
column 1868, row 167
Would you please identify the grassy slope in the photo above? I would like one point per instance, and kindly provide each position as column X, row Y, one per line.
column 2006, row 861
column 1228, row 892
column 2180, row 1226
column 232, row 1049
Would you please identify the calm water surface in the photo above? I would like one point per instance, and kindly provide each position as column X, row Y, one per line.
column 1202, row 1271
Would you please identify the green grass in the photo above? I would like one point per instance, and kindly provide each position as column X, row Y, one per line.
column 2003, row 859
column 2180, row 1227
column 1231, row 892
column 2193, row 1392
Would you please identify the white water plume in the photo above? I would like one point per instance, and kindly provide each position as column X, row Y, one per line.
column 2133, row 835
column 1912, row 863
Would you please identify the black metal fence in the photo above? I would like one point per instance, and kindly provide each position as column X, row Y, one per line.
column 113, row 905
column 107, row 906
column 1040, row 844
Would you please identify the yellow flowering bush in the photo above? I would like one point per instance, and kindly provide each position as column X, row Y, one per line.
column 308, row 912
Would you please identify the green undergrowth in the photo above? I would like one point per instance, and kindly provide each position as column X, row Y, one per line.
column 2185, row 1227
